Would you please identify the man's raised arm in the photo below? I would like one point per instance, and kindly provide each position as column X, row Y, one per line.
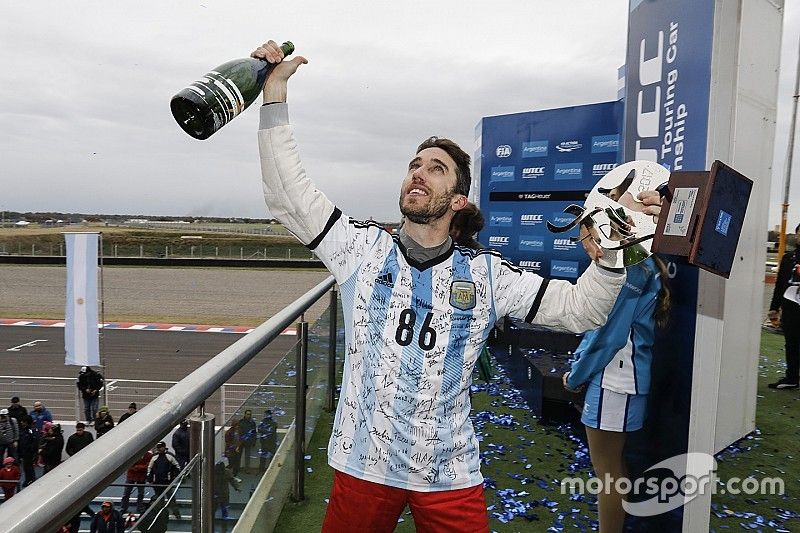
column 289, row 194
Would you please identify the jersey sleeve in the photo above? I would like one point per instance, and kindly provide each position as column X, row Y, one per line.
column 557, row 303
column 293, row 199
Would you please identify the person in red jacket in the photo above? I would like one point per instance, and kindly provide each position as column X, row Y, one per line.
column 136, row 476
column 9, row 477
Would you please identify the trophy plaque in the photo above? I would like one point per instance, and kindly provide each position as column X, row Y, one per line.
column 702, row 216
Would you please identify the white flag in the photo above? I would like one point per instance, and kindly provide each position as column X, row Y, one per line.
column 80, row 328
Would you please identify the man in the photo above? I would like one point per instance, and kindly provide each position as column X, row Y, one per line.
column 267, row 439
column 16, row 410
column 9, row 435
column 108, row 520
column 421, row 312
column 130, row 412
column 180, row 443
column 136, row 477
column 90, row 383
column 78, row 440
column 40, row 415
column 28, row 448
column 161, row 470
column 786, row 300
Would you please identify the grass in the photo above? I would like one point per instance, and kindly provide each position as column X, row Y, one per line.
column 525, row 460
column 131, row 241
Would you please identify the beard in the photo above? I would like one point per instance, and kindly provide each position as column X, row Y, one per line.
column 436, row 208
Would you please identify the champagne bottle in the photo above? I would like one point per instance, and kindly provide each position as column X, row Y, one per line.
column 208, row 104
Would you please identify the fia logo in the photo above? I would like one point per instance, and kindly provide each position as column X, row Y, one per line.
column 503, row 150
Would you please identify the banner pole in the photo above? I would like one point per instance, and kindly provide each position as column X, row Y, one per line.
column 101, row 329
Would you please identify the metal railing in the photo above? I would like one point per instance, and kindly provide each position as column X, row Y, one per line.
column 47, row 504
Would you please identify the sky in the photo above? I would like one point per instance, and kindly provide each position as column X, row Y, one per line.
column 85, row 124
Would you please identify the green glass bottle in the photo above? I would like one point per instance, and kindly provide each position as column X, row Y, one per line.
column 206, row 105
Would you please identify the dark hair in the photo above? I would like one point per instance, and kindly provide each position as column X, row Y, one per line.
column 664, row 299
column 80, row 425
column 461, row 158
column 797, row 228
column 465, row 224
column 15, row 399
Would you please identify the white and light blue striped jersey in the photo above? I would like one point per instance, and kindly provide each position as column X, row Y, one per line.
column 618, row 356
column 413, row 331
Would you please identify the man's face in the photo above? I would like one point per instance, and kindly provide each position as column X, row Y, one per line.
column 79, row 431
column 37, row 406
column 248, row 415
column 161, row 449
column 106, row 508
column 429, row 186
column 131, row 410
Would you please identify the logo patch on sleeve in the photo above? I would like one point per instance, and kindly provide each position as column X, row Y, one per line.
column 462, row 295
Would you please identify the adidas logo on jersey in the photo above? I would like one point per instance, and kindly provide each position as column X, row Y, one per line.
column 386, row 279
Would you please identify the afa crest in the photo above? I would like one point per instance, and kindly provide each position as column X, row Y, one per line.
column 462, row 295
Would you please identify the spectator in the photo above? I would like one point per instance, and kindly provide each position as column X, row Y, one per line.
column 78, row 440
column 247, row 436
column 16, row 410
column 136, row 476
column 40, row 415
column 223, row 479
column 90, row 383
column 131, row 411
column 103, row 422
column 233, row 446
column 9, row 434
column 108, row 520
column 161, row 470
column 28, row 448
column 267, row 439
column 786, row 300
column 51, row 446
column 9, row 475
column 180, row 443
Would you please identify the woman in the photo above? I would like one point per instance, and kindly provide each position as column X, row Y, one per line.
column 786, row 299
column 103, row 422
column 613, row 364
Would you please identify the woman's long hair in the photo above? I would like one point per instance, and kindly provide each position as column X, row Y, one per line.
column 664, row 301
column 465, row 224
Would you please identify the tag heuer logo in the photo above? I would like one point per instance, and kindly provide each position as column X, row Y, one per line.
column 462, row 295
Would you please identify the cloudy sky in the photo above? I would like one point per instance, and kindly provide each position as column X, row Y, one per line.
column 85, row 117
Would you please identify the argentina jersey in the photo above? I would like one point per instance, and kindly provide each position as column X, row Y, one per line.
column 417, row 330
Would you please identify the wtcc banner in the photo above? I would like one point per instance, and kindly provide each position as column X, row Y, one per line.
column 531, row 166
column 80, row 325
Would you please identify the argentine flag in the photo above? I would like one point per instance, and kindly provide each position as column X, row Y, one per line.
column 80, row 326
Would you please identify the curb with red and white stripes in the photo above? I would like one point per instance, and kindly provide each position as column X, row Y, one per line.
column 196, row 328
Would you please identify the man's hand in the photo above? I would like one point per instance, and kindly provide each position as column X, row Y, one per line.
column 588, row 237
column 773, row 318
column 275, row 87
column 652, row 203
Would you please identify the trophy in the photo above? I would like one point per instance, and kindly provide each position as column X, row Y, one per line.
column 612, row 214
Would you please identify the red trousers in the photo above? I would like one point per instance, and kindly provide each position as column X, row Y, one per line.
column 359, row 506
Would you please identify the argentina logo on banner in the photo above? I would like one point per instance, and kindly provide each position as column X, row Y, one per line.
column 80, row 324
